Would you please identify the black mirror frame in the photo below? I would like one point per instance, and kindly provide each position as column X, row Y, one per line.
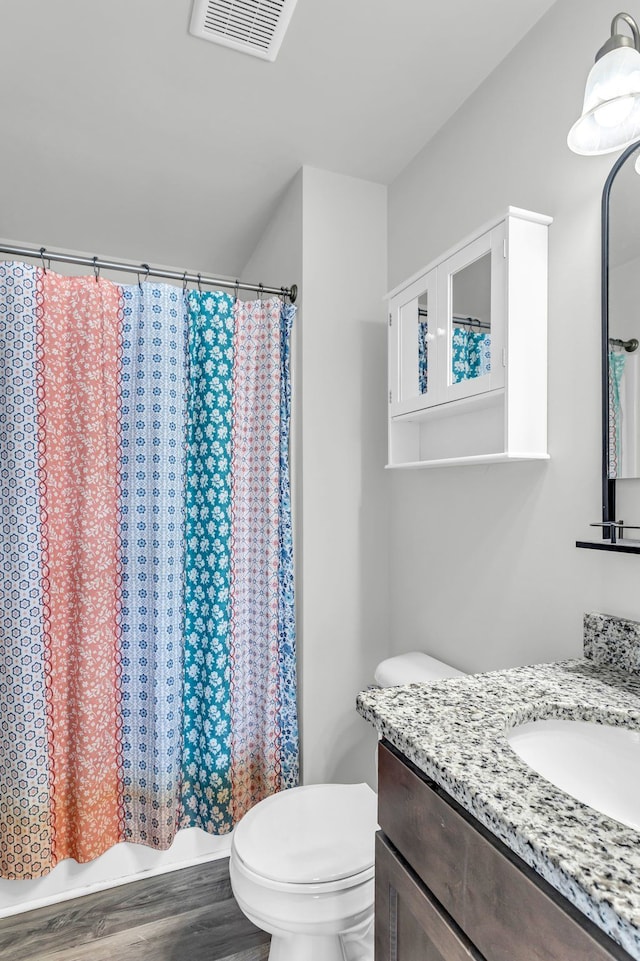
column 609, row 530
column 608, row 484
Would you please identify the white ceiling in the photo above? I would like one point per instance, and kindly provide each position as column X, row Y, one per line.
column 125, row 136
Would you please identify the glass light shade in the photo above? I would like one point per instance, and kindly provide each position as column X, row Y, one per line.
column 611, row 112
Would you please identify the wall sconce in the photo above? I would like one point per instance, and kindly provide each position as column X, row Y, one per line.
column 611, row 113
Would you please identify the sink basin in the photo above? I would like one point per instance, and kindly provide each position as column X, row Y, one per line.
column 597, row 764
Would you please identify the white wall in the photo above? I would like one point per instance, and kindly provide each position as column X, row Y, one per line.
column 484, row 571
column 340, row 489
column 344, row 622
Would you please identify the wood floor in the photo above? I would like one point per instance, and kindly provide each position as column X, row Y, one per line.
column 187, row 915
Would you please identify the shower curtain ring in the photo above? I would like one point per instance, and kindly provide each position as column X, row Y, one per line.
column 199, row 283
column 184, row 282
column 96, row 269
column 44, row 266
column 260, row 292
column 236, row 290
column 147, row 270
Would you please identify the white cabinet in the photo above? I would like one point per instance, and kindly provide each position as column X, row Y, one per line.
column 468, row 350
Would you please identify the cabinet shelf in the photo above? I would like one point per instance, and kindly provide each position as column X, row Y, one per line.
column 452, row 408
column 470, row 460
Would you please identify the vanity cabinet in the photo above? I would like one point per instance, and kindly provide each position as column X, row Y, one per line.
column 447, row 890
column 468, row 350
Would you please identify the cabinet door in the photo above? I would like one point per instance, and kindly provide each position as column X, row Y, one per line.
column 410, row 924
column 413, row 346
column 472, row 318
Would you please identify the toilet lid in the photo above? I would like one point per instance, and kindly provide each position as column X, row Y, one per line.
column 315, row 833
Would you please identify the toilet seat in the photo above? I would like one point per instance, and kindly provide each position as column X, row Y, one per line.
column 321, row 889
column 318, row 834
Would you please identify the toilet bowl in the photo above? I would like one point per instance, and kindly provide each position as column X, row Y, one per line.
column 302, row 861
column 302, row 869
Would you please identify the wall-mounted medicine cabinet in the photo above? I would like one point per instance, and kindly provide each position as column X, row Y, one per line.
column 468, row 350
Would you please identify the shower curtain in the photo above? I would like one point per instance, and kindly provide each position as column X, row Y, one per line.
column 147, row 656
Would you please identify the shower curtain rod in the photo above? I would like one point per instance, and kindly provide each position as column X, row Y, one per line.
column 629, row 345
column 186, row 276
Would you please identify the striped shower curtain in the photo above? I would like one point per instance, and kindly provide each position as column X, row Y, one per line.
column 147, row 637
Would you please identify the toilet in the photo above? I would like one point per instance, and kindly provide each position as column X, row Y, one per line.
column 302, row 861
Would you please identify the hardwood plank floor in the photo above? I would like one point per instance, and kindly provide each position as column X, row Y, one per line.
column 187, row 915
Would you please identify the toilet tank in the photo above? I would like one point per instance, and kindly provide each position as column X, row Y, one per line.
column 412, row 668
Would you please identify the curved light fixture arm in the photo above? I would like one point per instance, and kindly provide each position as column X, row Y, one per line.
column 633, row 26
column 620, row 39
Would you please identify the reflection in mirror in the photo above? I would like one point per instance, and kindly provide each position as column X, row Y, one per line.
column 470, row 321
column 423, row 342
column 411, row 345
column 624, row 322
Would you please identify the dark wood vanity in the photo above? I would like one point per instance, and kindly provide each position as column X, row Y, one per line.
column 448, row 890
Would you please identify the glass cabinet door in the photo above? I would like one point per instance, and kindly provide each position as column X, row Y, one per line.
column 414, row 347
column 471, row 302
column 469, row 350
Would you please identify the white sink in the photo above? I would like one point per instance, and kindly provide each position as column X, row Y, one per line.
column 597, row 764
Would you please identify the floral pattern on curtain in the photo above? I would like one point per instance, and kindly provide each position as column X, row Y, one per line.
column 79, row 353
column 255, row 556
column 153, row 421
column 25, row 798
column 287, row 684
column 146, row 577
column 206, row 761
column 423, row 354
column 617, row 361
column 471, row 354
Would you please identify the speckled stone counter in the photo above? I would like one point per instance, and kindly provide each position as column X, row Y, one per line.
column 454, row 730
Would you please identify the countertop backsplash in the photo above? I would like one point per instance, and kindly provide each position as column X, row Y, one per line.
column 612, row 641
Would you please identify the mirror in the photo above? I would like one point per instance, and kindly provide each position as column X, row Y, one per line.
column 620, row 348
column 468, row 327
column 624, row 321
column 470, row 321
column 423, row 342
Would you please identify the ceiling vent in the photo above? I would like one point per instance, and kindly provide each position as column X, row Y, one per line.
column 250, row 26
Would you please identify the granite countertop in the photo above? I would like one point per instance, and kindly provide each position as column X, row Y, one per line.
column 454, row 730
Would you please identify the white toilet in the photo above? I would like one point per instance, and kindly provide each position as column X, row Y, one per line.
column 302, row 861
